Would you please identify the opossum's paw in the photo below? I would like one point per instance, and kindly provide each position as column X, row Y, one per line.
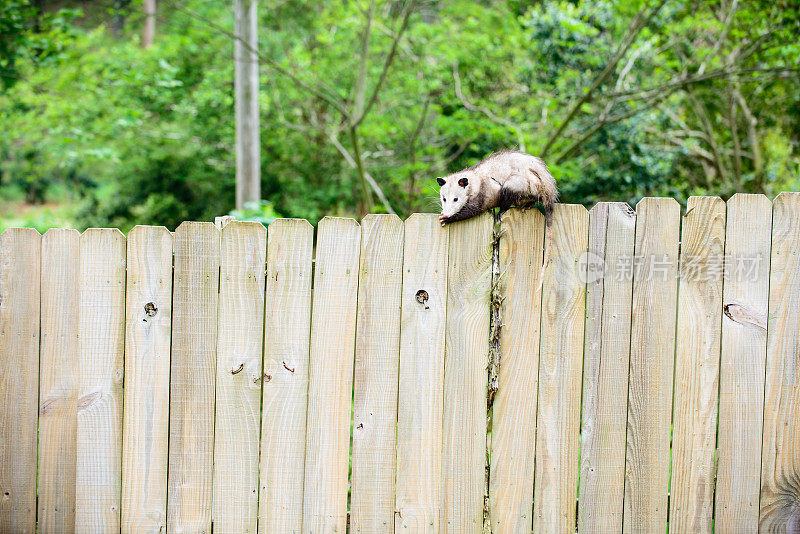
column 443, row 219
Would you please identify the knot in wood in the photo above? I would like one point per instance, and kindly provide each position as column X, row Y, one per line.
column 150, row 309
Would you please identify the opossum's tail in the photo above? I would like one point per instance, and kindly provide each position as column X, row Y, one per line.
column 548, row 196
column 548, row 240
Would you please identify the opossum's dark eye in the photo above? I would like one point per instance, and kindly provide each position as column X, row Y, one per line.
column 455, row 200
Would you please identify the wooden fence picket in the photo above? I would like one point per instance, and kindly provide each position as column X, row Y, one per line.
column 376, row 374
column 101, row 364
column 780, row 457
column 421, row 375
column 652, row 359
column 469, row 282
column 330, row 376
column 148, row 324
column 649, row 383
column 58, row 381
column 742, row 362
column 243, row 254
column 514, row 409
column 20, row 268
column 605, row 369
column 560, row 367
column 287, row 328
column 697, row 366
column 192, row 377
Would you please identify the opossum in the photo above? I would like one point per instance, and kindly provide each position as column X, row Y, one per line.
column 502, row 180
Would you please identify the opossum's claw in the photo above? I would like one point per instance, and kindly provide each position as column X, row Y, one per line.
column 443, row 219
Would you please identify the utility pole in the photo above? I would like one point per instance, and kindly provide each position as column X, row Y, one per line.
column 248, row 144
column 149, row 31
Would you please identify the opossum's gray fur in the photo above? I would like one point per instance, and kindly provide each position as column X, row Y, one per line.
column 504, row 179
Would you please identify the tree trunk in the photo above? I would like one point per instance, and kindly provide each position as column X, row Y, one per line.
column 248, row 145
column 118, row 20
column 149, row 31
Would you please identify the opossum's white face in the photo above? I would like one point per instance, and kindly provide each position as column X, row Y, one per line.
column 454, row 193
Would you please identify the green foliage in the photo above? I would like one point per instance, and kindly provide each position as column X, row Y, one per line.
column 263, row 212
column 704, row 101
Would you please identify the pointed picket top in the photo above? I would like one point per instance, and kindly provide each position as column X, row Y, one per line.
column 785, row 196
column 148, row 228
column 11, row 230
column 243, row 226
column 752, row 200
column 624, row 206
column 103, row 230
column 54, row 231
column 185, row 226
column 378, row 216
column 665, row 201
column 290, row 221
column 328, row 220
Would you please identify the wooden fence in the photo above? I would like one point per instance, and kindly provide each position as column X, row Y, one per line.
column 165, row 382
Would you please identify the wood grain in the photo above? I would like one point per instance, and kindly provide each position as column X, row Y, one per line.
column 20, row 268
column 605, row 367
column 101, row 345
column 780, row 457
column 237, row 425
column 58, row 380
column 285, row 380
column 655, row 285
column 514, row 409
column 193, row 368
column 421, row 384
column 697, row 366
column 742, row 362
column 148, row 323
column 465, row 377
column 333, row 329
column 376, row 374
column 560, row 368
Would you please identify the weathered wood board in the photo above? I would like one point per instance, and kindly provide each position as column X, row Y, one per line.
column 421, row 375
column 605, row 369
column 560, row 367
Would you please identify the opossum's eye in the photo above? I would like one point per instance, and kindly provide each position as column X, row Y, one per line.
column 440, row 181
column 455, row 200
column 463, row 182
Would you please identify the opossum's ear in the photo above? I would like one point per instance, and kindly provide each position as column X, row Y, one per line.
column 440, row 181
column 463, row 182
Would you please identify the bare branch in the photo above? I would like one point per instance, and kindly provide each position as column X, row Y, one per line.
column 718, row 43
column 686, row 80
column 335, row 102
column 352, row 162
column 361, row 80
column 603, row 121
column 640, row 21
column 355, row 121
column 751, row 122
column 486, row 111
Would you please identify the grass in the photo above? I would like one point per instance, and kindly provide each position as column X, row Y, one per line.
column 52, row 214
